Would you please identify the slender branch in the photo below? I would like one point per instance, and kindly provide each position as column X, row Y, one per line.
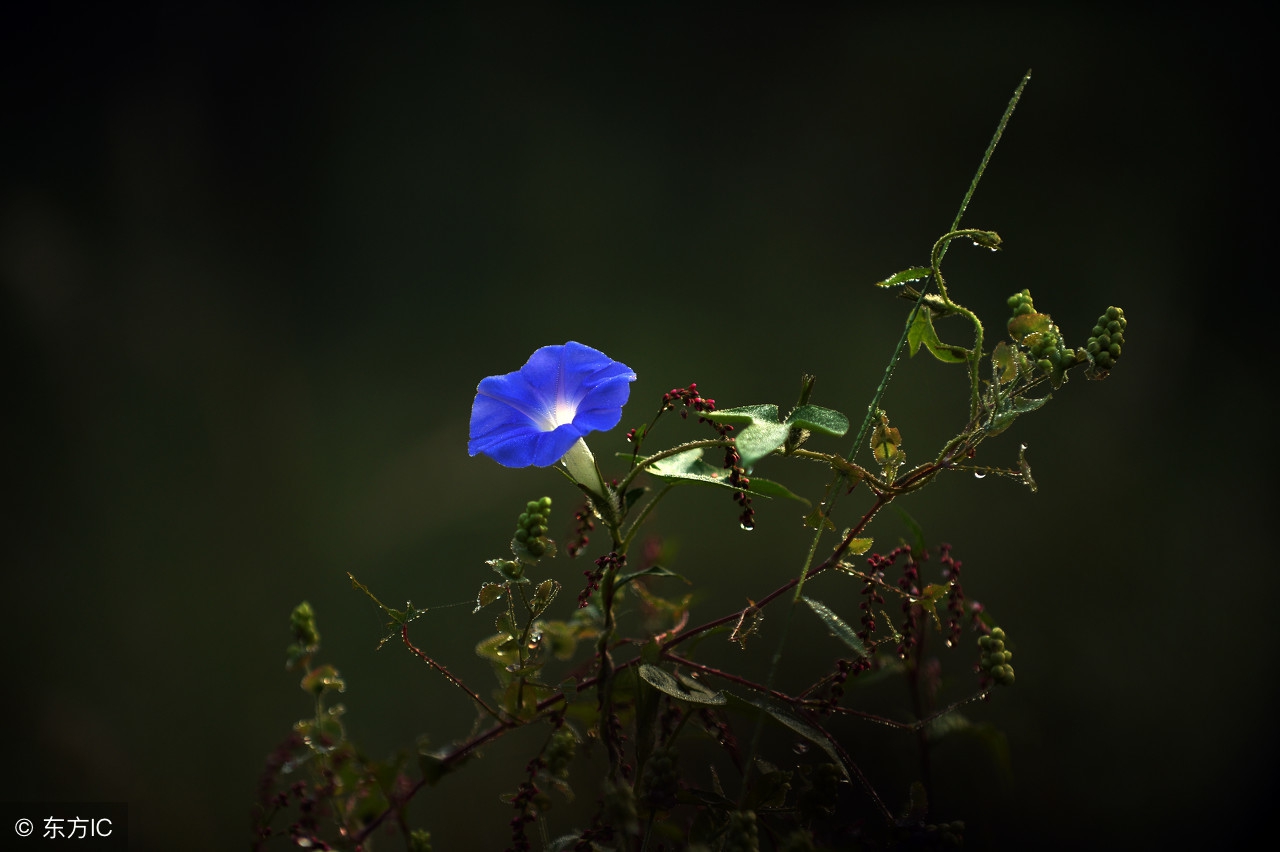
column 742, row 681
column 909, row 727
column 422, row 655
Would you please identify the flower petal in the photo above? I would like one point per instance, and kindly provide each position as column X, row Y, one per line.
column 533, row 416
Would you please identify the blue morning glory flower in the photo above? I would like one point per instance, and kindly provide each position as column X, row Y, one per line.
column 537, row 415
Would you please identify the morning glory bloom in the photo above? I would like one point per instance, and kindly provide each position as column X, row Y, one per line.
column 538, row 415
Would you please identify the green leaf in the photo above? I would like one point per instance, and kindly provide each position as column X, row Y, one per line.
column 811, row 733
column 922, row 332
column 744, row 415
column 858, row 546
column 928, row 600
column 836, row 624
column 817, row 519
column 1010, row 409
column 917, row 534
column 764, row 432
column 546, row 592
column 489, row 592
column 690, row 467
column 497, row 649
column 685, row 689
column 1003, row 365
column 915, row 273
column 769, row 488
column 651, row 571
column 759, row 440
column 815, row 418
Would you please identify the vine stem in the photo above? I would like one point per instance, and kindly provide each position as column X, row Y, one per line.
column 867, row 418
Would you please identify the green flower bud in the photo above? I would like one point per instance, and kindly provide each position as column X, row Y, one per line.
column 302, row 621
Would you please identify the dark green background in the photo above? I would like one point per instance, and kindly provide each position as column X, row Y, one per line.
column 254, row 263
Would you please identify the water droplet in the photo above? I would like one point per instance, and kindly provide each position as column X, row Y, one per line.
column 747, row 527
column 977, row 474
column 800, row 748
column 950, row 644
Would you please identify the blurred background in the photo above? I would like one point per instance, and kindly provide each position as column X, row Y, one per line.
column 254, row 262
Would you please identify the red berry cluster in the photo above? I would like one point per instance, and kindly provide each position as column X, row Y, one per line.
column 586, row 523
column 594, row 577
column 525, row 801
column 955, row 598
column 910, row 583
column 691, row 399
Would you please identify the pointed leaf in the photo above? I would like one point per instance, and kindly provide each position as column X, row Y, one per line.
column 915, row 273
column 815, row 418
column 651, row 571
column 1023, row 406
column 769, row 488
column 1003, row 365
column 838, row 627
column 917, row 534
column 684, row 689
column 858, row 546
column 928, row 599
column 489, row 593
column 922, row 331
column 744, row 415
column 690, row 467
column 818, row 519
column 546, row 592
